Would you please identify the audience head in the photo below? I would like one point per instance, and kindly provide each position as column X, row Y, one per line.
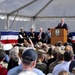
column 13, row 54
column 14, row 58
column 63, row 72
column 29, row 57
column 49, row 51
column 59, row 43
column 21, row 49
column 57, row 50
column 72, row 67
column 68, row 47
column 66, row 43
column 2, row 55
column 41, row 51
column 68, row 55
column 40, row 44
column 40, row 56
column 59, row 53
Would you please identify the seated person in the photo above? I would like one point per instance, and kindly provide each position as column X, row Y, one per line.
column 40, row 65
column 63, row 72
column 32, row 35
column 3, row 71
column 22, row 35
column 41, row 35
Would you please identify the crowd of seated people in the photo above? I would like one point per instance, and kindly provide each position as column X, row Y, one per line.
column 35, row 54
column 51, row 59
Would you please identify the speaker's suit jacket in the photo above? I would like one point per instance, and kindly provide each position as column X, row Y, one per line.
column 64, row 26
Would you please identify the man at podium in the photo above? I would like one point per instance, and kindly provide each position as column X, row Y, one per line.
column 62, row 25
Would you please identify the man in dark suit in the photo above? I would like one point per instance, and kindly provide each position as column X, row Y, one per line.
column 62, row 25
column 22, row 35
column 32, row 35
column 47, row 38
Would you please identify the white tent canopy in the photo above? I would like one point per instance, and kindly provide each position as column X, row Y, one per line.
column 50, row 8
column 46, row 13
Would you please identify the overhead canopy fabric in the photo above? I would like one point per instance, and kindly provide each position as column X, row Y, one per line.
column 45, row 13
column 39, row 8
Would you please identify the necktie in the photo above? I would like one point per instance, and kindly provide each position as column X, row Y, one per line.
column 39, row 35
column 61, row 25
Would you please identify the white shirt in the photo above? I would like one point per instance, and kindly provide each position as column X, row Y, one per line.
column 63, row 66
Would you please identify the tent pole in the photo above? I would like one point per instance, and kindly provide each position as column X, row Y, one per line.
column 33, row 24
column 7, row 23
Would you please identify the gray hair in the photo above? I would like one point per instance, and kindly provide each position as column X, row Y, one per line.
column 14, row 52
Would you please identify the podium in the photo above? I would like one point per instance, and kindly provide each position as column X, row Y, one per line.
column 58, row 35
